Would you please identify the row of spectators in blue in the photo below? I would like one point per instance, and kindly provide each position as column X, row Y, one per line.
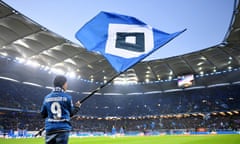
column 223, row 98
column 213, row 123
column 12, row 120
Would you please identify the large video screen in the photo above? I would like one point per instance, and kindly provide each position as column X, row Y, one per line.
column 185, row 81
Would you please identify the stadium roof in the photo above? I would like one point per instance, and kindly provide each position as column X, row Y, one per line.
column 31, row 43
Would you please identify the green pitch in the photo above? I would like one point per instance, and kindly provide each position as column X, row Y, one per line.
column 203, row 139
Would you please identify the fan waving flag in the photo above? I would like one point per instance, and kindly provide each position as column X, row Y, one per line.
column 121, row 39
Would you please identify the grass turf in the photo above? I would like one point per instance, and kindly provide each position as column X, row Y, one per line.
column 199, row 139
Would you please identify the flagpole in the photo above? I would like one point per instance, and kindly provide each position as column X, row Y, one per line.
column 101, row 86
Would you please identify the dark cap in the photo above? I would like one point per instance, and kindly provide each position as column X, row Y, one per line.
column 59, row 81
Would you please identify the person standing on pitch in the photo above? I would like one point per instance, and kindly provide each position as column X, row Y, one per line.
column 57, row 110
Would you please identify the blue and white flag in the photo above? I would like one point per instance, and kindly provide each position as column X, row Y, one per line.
column 121, row 39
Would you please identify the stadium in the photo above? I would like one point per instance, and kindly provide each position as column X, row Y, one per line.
column 192, row 94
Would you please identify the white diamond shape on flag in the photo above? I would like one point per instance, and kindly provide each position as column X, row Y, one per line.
column 113, row 29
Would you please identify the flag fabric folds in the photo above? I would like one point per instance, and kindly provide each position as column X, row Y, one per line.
column 122, row 40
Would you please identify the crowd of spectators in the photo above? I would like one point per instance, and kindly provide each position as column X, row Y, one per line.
column 33, row 122
column 20, row 104
column 213, row 123
column 224, row 98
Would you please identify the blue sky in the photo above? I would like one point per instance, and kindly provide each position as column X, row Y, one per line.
column 207, row 21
